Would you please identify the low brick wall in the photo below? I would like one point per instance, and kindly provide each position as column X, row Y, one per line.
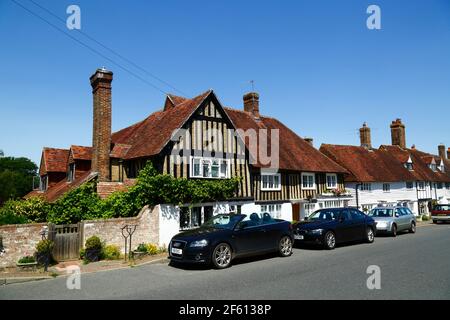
column 147, row 229
column 21, row 240
column 18, row 241
column 105, row 189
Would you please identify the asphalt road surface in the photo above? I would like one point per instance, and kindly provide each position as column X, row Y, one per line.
column 413, row 266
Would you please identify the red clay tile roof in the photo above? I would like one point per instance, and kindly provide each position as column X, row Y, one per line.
column 119, row 150
column 149, row 136
column 295, row 153
column 62, row 187
column 81, row 153
column 420, row 160
column 55, row 160
column 375, row 165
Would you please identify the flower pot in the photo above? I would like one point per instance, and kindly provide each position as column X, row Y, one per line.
column 138, row 254
column 93, row 255
column 41, row 258
column 26, row 266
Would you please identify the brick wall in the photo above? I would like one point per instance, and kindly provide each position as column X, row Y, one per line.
column 19, row 241
column 105, row 189
column 147, row 230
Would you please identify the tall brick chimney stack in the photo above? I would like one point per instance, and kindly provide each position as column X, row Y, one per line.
column 251, row 103
column 364, row 136
column 448, row 153
column 398, row 133
column 101, row 138
column 441, row 149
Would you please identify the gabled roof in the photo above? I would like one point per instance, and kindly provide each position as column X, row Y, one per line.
column 81, row 153
column 368, row 165
column 54, row 160
column 150, row 136
column 294, row 152
column 421, row 161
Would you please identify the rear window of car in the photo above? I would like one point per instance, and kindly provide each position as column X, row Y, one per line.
column 381, row 213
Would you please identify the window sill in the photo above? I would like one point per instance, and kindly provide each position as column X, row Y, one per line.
column 271, row 189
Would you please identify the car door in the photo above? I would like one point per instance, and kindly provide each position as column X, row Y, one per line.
column 249, row 237
column 405, row 219
column 344, row 226
column 270, row 230
column 358, row 224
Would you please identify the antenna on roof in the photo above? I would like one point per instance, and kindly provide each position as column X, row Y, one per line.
column 253, row 85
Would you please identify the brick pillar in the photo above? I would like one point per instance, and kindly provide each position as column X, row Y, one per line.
column 364, row 136
column 441, row 149
column 398, row 133
column 101, row 136
column 251, row 103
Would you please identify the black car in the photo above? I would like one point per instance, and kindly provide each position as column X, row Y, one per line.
column 227, row 236
column 329, row 227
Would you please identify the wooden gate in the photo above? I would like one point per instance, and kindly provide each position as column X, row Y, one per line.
column 67, row 241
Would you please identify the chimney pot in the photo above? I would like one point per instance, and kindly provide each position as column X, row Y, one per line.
column 441, row 150
column 398, row 133
column 309, row 140
column 365, row 137
column 251, row 103
column 101, row 136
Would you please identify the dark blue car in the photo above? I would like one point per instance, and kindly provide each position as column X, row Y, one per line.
column 328, row 227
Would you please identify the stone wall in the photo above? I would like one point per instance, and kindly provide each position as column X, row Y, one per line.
column 21, row 240
column 147, row 229
column 18, row 241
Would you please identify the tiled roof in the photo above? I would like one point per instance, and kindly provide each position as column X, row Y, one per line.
column 119, row 150
column 149, row 136
column 81, row 153
column 55, row 160
column 295, row 153
column 374, row 165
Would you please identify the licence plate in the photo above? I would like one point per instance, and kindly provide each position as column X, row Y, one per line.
column 298, row 237
column 177, row 251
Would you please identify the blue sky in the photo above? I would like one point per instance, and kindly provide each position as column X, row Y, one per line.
column 315, row 64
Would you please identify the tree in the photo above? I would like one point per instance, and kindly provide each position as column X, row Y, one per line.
column 16, row 177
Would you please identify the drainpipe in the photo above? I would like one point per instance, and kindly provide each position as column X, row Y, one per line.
column 418, row 202
column 357, row 195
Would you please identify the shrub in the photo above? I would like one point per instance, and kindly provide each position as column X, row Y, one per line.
column 27, row 259
column 93, row 243
column 45, row 247
column 141, row 248
column 22, row 211
column 152, row 249
column 9, row 217
column 425, row 217
column 111, row 252
column 82, row 253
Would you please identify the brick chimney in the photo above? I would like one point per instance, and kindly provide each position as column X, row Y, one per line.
column 309, row 140
column 448, row 153
column 251, row 103
column 101, row 138
column 364, row 136
column 441, row 149
column 398, row 134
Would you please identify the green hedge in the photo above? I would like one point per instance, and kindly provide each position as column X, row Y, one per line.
column 83, row 203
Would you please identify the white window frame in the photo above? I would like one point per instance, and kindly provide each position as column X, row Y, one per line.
column 421, row 186
column 412, row 185
column 366, row 186
column 386, row 187
column 335, row 180
column 267, row 176
column 204, row 160
column 309, row 174
column 274, row 209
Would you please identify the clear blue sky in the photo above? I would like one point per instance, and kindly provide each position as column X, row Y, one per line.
column 315, row 64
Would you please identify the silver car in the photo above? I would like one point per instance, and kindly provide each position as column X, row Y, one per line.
column 393, row 219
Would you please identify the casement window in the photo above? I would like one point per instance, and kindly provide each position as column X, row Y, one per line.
column 433, row 167
column 43, row 183
column 273, row 209
column 331, row 181
column 386, row 187
column 71, row 174
column 447, row 185
column 409, row 166
column 421, row 186
column 367, row 207
column 194, row 217
column 409, row 185
column 366, row 187
column 331, row 204
column 309, row 208
column 440, row 185
column 308, row 181
column 270, row 182
column 210, row 168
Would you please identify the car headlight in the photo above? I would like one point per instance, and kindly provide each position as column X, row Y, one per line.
column 381, row 224
column 199, row 243
column 316, row 231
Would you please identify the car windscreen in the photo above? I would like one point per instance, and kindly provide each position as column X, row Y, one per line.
column 223, row 221
column 381, row 213
column 324, row 215
column 442, row 207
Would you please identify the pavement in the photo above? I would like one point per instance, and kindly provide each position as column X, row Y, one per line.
column 413, row 266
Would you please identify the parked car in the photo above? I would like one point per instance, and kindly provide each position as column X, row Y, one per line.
column 393, row 220
column 329, row 227
column 228, row 236
column 440, row 213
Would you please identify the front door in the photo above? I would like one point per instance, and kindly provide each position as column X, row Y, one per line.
column 296, row 211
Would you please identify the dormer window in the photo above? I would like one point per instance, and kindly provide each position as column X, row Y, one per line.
column 409, row 164
column 43, row 183
column 442, row 166
column 433, row 166
column 71, row 174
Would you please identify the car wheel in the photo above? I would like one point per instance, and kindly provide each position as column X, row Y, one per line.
column 413, row 227
column 394, row 230
column 285, row 246
column 330, row 240
column 370, row 235
column 221, row 257
column 435, row 221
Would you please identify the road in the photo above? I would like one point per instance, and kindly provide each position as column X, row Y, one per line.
column 413, row 266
